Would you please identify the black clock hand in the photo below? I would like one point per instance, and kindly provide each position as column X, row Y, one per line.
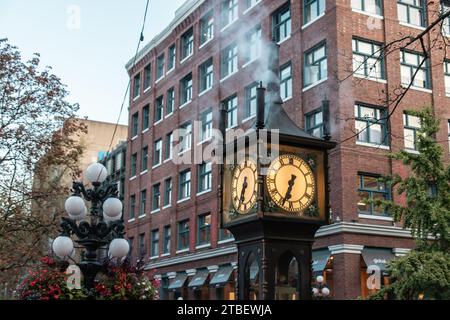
column 244, row 187
column 289, row 190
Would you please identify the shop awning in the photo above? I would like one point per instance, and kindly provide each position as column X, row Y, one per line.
column 178, row 282
column 320, row 259
column 199, row 279
column 378, row 257
column 222, row 276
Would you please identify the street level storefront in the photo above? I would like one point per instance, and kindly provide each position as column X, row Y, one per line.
column 218, row 282
column 213, row 283
column 373, row 273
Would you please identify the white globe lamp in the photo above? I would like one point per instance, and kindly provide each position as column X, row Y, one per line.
column 74, row 206
column 96, row 173
column 319, row 279
column 62, row 246
column 325, row 292
column 118, row 248
column 112, row 207
column 80, row 216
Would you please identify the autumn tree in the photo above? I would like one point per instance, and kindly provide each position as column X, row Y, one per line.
column 38, row 146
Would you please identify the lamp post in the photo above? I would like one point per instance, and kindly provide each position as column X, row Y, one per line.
column 320, row 291
column 102, row 227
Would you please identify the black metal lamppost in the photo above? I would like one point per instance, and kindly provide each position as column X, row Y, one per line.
column 101, row 229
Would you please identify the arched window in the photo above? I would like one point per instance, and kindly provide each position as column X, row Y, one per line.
column 287, row 278
column 252, row 277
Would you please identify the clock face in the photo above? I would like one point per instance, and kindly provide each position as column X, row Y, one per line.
column 290, row 183
column 244, row 187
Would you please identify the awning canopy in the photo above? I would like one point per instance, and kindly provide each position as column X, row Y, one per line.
column 178, row 282
column 222, row 276
column 199, row 279
column 320, row 259
column 378, row 257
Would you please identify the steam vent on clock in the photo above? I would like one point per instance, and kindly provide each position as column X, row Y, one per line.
column 274, row 197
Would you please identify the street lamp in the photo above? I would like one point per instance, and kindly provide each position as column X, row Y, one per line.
column 103, row 230
column 320, row 291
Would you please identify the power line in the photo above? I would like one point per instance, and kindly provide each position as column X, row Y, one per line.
column 141, row 38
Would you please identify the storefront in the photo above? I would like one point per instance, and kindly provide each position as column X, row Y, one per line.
column 374, row 275
column 223, row 283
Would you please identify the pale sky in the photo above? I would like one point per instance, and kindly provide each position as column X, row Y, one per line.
column 86, row 42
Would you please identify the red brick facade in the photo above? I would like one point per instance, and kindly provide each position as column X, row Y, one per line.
column 336, row 28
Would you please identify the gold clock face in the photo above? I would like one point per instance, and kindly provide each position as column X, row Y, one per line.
column 290, row 183
column 244, row 187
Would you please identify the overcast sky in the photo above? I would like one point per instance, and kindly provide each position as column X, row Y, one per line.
column 86, row 42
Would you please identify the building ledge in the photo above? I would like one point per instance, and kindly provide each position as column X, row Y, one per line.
column 360, row 228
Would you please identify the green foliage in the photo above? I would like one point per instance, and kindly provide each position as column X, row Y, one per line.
column 426, row 270
column 418, row 275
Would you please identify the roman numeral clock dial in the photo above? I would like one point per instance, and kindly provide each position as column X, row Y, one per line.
column 290, row 183
column 244, row 186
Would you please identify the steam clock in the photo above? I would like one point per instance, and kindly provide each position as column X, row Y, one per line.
column 274, row 197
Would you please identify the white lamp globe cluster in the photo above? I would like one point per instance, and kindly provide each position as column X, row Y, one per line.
column 322, row 290
column 75, row 206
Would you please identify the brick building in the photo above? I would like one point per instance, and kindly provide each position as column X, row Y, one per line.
column 210, row 54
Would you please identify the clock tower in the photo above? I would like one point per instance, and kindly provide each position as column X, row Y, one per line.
column 274, row 197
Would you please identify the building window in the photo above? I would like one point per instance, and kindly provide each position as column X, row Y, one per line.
column 447, row 76
column 170, row 101
column 184, row 185
column 251, row 3
column 186, row 89
column 225, row 234
column 137, row 86
column 369, row 6
column 282, row 23
column 144, row 159
column 231, row 105
column 132, row 212
column 229, row 60
column 368, row 59
column 159, row 109
column 167, row 236
column 183, row 235
column 371, row 125
column 143, row 202
column 253, row 39
column 155, row 243
column 147, row 76
column 446, row 22
column 316, row 65
column 131, row 243
column 312, row 9
column 121, row 188
column 119, row 161
column 207, row 27
column 286, row 81
column 229, row 12
column 135, row 124
column 412, row 12
column 206, row 75
column 250, row 101
column 411, row 127
column 314, row 123
column 410, row 62
column 146, row 117
column 205, row 177
column 167, row 192
column 203, row 229
column 370, row 188
column 142, row 245
column 156, row 196
column 169, row 146
column 160, row 62
column 448, row 124
column 185, row 137
column 172, row 57
column 133, row 164
column 207, row 123
column 157, row 152
column 187, row 44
